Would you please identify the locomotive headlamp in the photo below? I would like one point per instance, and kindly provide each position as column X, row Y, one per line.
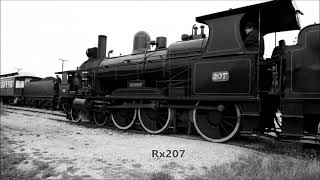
column 84, row 75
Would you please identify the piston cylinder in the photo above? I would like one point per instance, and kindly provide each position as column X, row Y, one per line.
column 80, row 104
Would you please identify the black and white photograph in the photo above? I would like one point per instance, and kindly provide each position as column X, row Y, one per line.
column 160, row 90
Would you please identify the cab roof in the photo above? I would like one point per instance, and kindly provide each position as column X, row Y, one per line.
column 275, row 16
column 68, row 72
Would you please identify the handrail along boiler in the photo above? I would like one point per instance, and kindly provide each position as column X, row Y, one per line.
column 211, row 84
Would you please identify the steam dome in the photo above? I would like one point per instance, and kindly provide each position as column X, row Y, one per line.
column 140, row 41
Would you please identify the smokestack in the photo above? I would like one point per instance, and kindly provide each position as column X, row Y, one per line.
column 102, row 46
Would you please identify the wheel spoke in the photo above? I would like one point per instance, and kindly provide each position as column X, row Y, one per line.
column 229, row 117
column 64, row 107
column 228, row 123
column 217, row 126
column 216, row 133
column 155, row 121
column 224, row 128
column 75, row 115
column 123, row 118
column 100, row 118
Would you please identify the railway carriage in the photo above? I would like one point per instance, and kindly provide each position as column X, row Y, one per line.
column 12, row 86
column 212, row 84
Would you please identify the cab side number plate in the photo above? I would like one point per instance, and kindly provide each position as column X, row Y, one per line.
column 220, row 76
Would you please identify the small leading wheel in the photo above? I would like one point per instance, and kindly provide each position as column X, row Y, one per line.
column 217, row 125
column 64, row 107
column 76, row 115
column 277, row 124
column 100, row 118
column 156, row 120
column 123, row 118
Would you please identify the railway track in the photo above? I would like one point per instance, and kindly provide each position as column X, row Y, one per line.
column 27, row 109
column 61, row 116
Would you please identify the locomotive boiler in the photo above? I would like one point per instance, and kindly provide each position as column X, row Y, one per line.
column 212, row 84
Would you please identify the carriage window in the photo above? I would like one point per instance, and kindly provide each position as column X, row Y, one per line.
column 2, row 84
column 19, row 84
column 8, row 84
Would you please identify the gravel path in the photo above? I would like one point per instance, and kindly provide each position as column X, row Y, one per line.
column 101, row 153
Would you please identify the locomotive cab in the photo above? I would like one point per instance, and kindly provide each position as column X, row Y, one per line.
column 247, row 75
column 226, row 49
column 67, row 88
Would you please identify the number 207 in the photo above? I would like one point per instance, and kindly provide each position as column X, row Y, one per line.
column 220, row 76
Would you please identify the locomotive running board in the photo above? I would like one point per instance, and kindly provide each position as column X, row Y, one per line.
column 99, row 104
column 193, row 98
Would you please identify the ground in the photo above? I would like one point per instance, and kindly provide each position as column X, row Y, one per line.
column 65, row 150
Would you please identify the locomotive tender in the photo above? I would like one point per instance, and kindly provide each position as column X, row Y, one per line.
column 42, row 93
column 213, row 84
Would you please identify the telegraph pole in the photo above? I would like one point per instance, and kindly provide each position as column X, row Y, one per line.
column 18, row 69
column 62, row 62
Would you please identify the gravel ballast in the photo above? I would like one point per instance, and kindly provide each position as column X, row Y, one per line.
column 101, row 153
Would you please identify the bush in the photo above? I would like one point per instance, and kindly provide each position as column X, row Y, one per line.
column 264, row 166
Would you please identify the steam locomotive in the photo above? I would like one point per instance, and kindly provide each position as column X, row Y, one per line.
column 209, row 84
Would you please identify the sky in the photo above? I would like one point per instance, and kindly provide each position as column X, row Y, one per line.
column 36, row 34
